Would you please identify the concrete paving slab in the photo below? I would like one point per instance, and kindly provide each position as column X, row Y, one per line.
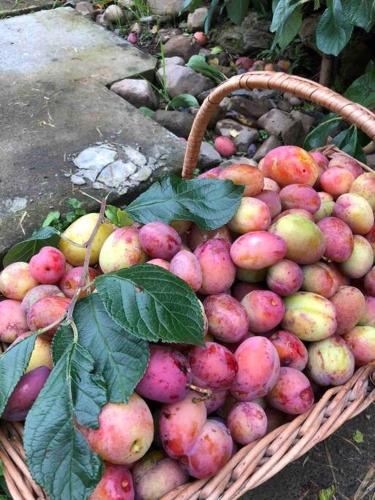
column 17, row 7
column 54, row 103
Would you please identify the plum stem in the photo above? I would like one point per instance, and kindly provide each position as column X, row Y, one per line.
column 206, row 393
column 85, row 271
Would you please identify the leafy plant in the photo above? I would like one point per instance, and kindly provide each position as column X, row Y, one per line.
column 198, row 63
column 358, row 437
column 183, row 101
column 61, row 222
column 100, row 351
column 327, row 493
column 335, row 25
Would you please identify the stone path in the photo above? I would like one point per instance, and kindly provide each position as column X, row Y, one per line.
column 55, row 67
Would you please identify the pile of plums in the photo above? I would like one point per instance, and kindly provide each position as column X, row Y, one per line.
column 288, row 293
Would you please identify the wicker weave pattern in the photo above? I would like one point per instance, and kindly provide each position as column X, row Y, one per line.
column 259, row 461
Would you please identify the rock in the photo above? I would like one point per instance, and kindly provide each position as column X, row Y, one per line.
column 137, row 92
column 124, row 3
column 177, row 122
column 93, row 159
column 100, row 19
column 370, row 160
column 208, row 157
column 182, row 46
column 255, row 105
column 113, row 14
column 85, row 8
column 241, row 135
column 167, row 33
column 183, row 80
column 270, row 143
column 281, row 124
column 116, row 173
column 195, row 21
column 306, row 120
column 229, row 37
column 176, row 60
column 256, row 32
column 292, row 99
column 239, row 159
column 172, row 7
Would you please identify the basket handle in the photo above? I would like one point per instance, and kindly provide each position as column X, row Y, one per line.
column 301, row 87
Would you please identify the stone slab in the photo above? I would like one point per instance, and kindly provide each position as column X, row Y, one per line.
column 54, row 103
column 17, row 7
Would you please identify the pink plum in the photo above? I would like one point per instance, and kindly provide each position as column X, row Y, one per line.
column 47, row 266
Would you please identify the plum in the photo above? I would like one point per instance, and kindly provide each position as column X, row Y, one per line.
column 155, row 475
column 37, row 293
column 350, row 306
column 12, row 320
column 330, row 362
column 294, row 211
column 186, row 266
column 71, row 280
column 227, row 318
column 258, row 369
column 125, row 433
column 246, row 175
column 309, row 316
column 355, row 211
column 257, row 250
column 159, row 240
column 361, row 341
column 197, row 235
column 292, row 392
column 16, row 280
column 46, row 311
column 180, row 424
column 240, row 289
column 211, row 451
column 121, row 250
column 78, row 233
column 290, row 165
column 212, row 173
column 368, row 316
column 285, row 277
column 115, row 484
column 347, row 163
column 225, row 146
column 247, row 422
column 160, row 262
column 271, row 185
column 272, row 200
column 326, row 206
column 338, row 237
column 212, row 366
column 25, row 393
column 300, row 196
column 336, row 181
column 251, row 215
column 41, row 354
column 320, row 159
column 213, row 255
column 291, row 350
column 361, row 259
column 369, row 282
column 304, row 240
column 370, row 237
column 216, row 400
column 47, row 266
column 166, row 376
column 364, row 185
column 318, row 278
column 265, row 310
column 251, row 275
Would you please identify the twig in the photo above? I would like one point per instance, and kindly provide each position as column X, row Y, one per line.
column 79, row 245
column 331, row 465
column 85, row 271
column 367, row 485
column 89, row 196
column 206, row 393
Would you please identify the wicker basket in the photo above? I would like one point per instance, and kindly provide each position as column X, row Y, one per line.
column 259, row 461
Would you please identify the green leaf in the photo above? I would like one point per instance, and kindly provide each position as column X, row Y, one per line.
column 216, row 50
column 62, row 340
column 190, row 5
column 147, row 111
column 207, row 202
column 58, row 456
column 237, row 10
column 334, row 30
column 74, row 203
column 319, row 135
column 118, row 216
column 23, row 251
column 183, row 101
column 51, row 217
column 361, row 13
column 13, row 363
column 362, row 90
column 199, row 64
column 347, row 141
column 288, row 30
column 120, row 358
column 328, row 493
column 152, row 304
column 210, row 14
column 88, row 388
column 358, row 437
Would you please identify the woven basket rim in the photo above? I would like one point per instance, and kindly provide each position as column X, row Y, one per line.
column 257, row 462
